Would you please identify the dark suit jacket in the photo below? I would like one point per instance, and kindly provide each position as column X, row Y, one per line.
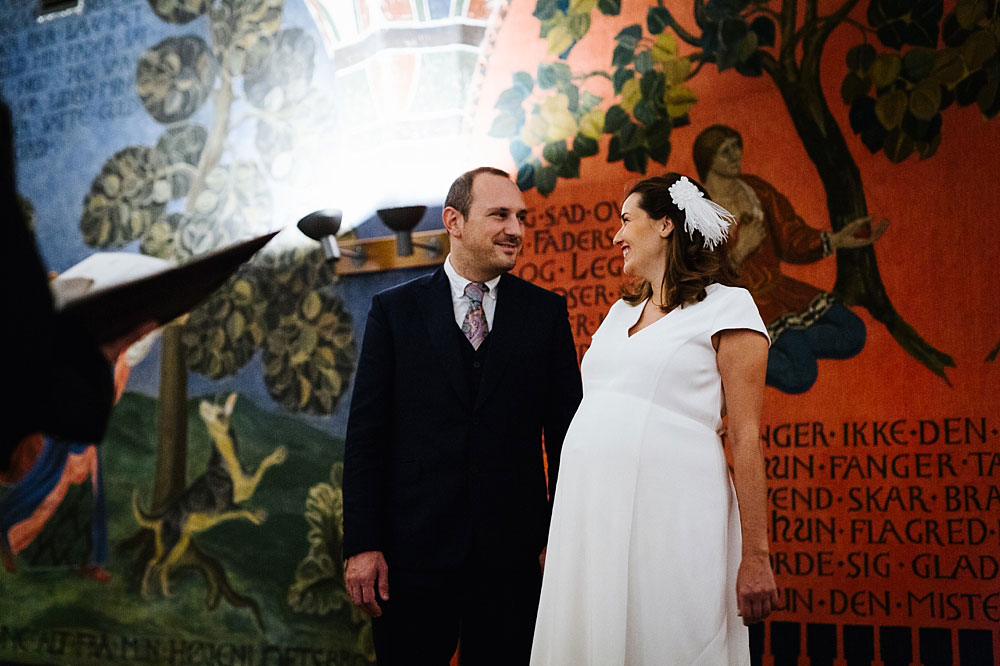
column 430, row 471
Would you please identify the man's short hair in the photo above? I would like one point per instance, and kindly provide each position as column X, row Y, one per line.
column 460, row 193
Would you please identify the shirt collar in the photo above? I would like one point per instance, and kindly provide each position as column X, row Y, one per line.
column 458, row 282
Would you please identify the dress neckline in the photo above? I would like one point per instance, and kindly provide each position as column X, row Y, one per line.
column 635, row 320
column 629, row 335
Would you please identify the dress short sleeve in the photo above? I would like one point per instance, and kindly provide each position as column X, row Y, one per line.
column 737, row 310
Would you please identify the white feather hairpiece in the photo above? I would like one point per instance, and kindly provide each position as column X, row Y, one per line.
column 700, row 214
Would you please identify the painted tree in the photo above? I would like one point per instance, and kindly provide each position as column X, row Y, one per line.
column 913, row 63
column 319, row 578
column 194, row 192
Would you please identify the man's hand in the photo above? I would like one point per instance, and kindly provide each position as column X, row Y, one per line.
column 756, row 592
column 541, row 558
column 364, row 572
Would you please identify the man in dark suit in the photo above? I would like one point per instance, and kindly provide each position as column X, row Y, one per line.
column 461, row 373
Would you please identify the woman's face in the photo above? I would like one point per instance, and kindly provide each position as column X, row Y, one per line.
column 643, row 242
column 728, row 158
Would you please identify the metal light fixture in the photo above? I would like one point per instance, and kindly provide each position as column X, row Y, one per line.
column 402, row 220
column 322, row 226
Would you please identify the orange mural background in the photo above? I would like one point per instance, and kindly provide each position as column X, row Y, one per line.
column 936, row 261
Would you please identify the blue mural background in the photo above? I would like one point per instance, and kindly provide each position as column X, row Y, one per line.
column 71, row 86
column 271, row 587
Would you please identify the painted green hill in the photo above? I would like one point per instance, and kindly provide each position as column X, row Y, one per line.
column 51, row 614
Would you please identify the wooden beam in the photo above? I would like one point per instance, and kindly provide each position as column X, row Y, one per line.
column 380, row 253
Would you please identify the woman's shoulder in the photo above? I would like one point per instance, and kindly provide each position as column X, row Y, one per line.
column 734, row 307
column 621, row 306
column 721, row 293
column 722, row 297
column 620, row 310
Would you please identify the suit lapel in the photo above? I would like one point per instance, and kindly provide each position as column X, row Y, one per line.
column 439, row 318
column 507, row 322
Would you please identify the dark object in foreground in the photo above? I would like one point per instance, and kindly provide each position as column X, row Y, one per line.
column 110, row 313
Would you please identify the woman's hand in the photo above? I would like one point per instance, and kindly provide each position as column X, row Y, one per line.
column 756, row 591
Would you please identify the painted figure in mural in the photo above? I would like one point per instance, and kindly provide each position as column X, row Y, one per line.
column 645, row 564
column 33, row 501
column 805, row 323
column 445, row 503
column 36, row 496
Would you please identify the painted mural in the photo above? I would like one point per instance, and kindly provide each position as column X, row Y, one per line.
column 829, row 128
column 856, row 140
column 209, row 531
column 896, row 98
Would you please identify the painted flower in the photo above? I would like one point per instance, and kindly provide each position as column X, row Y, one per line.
column 560, row 123
column 533, row 132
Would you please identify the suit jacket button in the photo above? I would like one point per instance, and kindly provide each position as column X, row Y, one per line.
column 475, row 364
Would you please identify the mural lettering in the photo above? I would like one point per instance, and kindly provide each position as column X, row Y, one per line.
column 63, row 75
column 880, row 501
column 569, row 249
column 100, row 647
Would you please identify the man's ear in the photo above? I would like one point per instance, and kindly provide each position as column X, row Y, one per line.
column 666, row 227
column 452, row 220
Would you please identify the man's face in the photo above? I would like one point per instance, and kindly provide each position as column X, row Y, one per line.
column 492, row 233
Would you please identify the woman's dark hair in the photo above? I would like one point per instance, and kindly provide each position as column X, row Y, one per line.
column 690, row 265
column 706, row 145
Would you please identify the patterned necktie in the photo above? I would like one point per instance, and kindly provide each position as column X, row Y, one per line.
column 475, row 327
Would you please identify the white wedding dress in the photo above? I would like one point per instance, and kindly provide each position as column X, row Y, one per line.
column 644, row 543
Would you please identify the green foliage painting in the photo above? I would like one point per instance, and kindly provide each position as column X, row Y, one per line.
column 911, row 64
column 202, row 187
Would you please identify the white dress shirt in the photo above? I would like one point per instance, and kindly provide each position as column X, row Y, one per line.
column 461, row 302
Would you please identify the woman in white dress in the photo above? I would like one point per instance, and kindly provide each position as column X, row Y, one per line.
column 648, row 561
